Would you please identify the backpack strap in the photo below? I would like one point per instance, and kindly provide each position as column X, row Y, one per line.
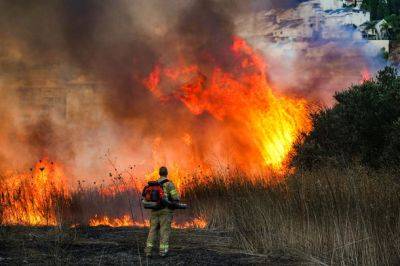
column 163, row 182
column 162, row 185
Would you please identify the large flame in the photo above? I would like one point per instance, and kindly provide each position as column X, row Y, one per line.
column 262, row 121
column 257, row 122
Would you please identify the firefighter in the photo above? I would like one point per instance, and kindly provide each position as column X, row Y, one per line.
column 160, row 220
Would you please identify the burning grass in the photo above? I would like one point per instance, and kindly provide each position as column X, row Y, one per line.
column 35, row 198
column 126, row 221
column 41, row 198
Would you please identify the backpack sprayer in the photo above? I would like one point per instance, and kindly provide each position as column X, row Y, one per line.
column 154, row 197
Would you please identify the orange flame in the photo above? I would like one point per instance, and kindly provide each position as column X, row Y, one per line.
column 365, row 75
column 33, row 199
column 264, row 123
column 199, row 223
column 116, row 222
column 126, row 220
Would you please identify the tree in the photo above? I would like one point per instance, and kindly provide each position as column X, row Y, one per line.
column 385, row 30
column 363, row 125
column 381, row 8
column 394, row 26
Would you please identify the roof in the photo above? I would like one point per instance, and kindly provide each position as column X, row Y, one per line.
column 344, row 10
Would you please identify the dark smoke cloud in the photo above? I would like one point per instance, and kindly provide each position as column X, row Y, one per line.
column 206, row 30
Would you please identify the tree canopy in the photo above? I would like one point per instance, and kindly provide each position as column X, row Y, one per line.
column 381, row 8
column 388, row 10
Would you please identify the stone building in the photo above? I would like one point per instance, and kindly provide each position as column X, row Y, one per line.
column 55, row 92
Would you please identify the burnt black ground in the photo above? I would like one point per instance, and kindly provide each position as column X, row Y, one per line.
column 122, row 246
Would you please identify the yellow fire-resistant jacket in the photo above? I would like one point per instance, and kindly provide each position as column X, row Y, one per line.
column 169, row 190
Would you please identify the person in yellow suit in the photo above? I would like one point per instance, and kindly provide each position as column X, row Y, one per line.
column 160, row 220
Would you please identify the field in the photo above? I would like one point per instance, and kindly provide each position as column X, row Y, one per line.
column 324, row 217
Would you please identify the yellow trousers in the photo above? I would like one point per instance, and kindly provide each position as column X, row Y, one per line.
column 160, row 224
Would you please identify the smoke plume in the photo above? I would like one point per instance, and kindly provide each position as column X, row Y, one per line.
column 84, row 63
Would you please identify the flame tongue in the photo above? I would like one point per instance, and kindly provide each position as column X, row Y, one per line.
column 259, row 120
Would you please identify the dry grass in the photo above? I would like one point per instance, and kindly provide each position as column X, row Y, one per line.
column 327, row 216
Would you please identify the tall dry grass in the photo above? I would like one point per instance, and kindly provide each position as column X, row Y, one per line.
column 327, row 216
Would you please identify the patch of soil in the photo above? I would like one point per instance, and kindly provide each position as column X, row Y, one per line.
column 122, row 246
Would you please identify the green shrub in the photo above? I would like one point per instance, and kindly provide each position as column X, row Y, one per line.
column 363, row 125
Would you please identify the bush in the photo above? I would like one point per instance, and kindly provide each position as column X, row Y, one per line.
column 363, row 126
